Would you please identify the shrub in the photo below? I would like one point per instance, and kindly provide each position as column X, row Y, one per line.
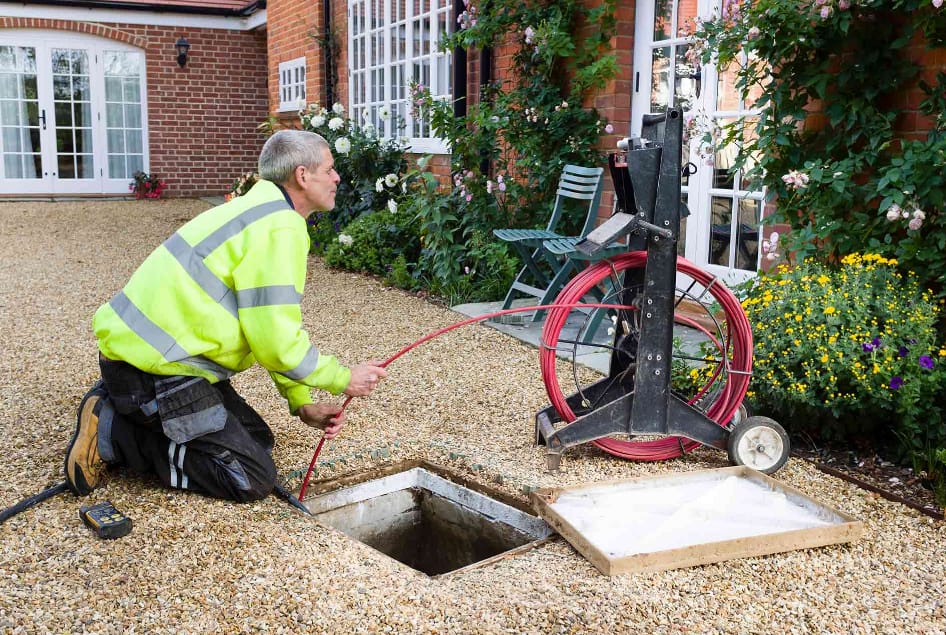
column 145, row 185
column 373, row 243
column 848, row 352
column 371, row 169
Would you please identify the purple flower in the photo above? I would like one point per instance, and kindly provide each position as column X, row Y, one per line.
column 926, row 362
column 896, row 383
column 867, row 347
column 902, row 352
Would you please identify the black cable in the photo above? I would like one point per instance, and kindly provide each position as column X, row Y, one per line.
column 26, row 503
column 284, row 494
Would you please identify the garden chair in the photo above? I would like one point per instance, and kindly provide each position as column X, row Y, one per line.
column 543, row 273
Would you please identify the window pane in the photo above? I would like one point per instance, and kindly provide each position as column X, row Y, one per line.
column 660, row 79
column 133, row 141
column 116, row 141
column 747, row 236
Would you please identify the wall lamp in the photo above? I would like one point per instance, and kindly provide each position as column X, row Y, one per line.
column 182, row 47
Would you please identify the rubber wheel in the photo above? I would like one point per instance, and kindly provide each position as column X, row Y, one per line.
column 760, row 443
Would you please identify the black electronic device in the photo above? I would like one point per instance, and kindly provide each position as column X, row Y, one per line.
column 105, row 520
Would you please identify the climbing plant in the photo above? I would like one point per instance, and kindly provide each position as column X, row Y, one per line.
column 835, row 80
column 509, row 148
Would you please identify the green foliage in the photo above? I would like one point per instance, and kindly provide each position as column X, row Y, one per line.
column 508, row 150
column 372, row 243
column 848, row 352
column 849, row 185
column 371, row 170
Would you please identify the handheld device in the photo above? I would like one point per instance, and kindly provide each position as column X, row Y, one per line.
column 105, row 520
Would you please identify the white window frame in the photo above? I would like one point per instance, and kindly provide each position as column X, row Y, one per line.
column 44, row 40
column 700, row 189
column 390, row 43
column 292, row 84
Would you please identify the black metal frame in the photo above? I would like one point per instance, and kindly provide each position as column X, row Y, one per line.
column 635, row 398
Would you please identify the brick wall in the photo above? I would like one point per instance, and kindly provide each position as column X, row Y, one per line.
column 201, row 118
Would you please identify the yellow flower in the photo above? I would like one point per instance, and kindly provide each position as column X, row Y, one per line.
column 829, row 310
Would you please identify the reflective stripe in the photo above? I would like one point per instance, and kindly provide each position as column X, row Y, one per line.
column 177, row 468
column 195, row 267
column 147, row 330
column 172, row 469
column 158, row 338
column 268, row 296
column 209, row 366
column 180, row 465
column 236, row 225
column 306, row 367
column 192, row 258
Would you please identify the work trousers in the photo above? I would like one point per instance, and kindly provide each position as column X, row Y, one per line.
column 193, row 434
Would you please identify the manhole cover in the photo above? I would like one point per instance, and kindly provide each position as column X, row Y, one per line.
column 426, row 521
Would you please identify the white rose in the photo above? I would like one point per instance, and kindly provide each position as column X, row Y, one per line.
column 390, row 180
column 335, row 123
column 337, row 108
column 342, row 145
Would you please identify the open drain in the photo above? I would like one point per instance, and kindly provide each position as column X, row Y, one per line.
column 426, row 521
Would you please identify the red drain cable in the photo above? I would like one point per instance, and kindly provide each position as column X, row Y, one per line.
column 446, row 329
column 721, row 410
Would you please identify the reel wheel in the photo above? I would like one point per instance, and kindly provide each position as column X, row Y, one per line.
column 721, row 395
column 760, row 443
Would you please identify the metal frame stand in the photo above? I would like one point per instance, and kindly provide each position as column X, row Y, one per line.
column 641, row 403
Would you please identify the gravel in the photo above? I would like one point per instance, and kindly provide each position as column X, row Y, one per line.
column 465, row 400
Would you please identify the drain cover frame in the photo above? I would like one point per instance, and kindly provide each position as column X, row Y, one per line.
column 357, row 506
column 574, row 519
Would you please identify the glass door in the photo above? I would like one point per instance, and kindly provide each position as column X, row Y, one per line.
column 72, row 115
column 22, row 123
column 73, row 161
column 722, row 232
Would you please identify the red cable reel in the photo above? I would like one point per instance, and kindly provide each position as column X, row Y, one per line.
column 726, row 387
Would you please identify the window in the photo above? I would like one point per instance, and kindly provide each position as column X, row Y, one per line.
column 123, row 121
column 292, row 84
column 391, row 44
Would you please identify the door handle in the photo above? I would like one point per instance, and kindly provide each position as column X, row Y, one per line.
column 42, row 117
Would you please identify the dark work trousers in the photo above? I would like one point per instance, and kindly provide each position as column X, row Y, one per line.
column 222, row 449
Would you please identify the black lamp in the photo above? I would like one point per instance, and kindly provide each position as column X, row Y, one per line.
column 182, row 47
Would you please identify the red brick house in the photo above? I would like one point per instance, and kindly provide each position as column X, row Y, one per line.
column 91, row 91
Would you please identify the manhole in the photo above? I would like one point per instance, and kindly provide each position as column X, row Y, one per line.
column 426, row 521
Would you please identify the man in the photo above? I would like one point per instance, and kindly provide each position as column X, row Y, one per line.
column 222, row 293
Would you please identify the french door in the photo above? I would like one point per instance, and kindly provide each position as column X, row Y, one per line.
column 72, row 114
column 722, row 233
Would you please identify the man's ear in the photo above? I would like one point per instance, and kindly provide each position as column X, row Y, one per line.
column 299, row 176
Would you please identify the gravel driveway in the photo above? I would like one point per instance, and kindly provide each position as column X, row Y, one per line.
column 465, row 400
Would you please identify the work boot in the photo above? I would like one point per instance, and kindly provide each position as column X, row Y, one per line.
column 84, row 467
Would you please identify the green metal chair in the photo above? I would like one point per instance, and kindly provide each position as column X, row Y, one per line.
column 545, row 273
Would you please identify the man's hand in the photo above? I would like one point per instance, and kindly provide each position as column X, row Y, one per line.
column 327, row 416
column 365, row 378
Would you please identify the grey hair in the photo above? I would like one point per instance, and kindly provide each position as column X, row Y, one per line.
column 288, row 149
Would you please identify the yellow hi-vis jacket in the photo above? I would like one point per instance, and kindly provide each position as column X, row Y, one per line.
column 221, row 294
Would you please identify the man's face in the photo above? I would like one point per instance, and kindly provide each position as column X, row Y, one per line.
column 321, row 184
